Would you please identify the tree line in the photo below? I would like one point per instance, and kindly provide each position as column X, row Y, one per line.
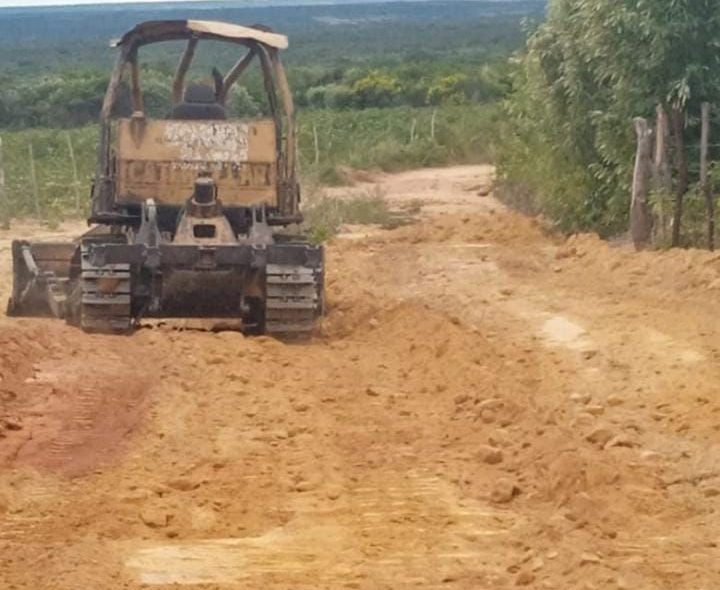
column 73, row 98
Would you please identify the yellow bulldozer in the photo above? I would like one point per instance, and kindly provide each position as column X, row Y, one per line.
column 185, row 208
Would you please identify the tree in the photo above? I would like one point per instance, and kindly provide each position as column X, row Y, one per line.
column 590, row 69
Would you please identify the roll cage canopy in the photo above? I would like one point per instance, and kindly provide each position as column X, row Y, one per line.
column 260, row 41
column 169, row 30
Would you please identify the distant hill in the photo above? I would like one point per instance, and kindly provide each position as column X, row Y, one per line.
column 337, row 31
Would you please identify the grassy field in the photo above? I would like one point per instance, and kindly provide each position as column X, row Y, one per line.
column 383, row 139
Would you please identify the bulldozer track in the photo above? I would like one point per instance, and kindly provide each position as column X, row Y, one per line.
column 106, row 297
column 293, row 301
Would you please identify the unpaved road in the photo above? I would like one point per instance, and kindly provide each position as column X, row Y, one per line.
column 487, row 407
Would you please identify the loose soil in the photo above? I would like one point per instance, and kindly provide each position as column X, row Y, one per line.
column 486, row 405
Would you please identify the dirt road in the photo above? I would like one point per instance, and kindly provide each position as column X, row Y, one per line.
column 487, row 406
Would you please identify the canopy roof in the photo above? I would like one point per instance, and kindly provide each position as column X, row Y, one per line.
column 169, row 30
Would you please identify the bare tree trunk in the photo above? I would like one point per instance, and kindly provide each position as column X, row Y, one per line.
column 681, row 165
column 704, row 180
column 640, row 219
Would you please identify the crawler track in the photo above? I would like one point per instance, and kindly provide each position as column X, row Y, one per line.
column 106, row 297
column 293, row 301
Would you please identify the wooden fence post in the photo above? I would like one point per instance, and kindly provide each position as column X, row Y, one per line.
column 33, row 180
column 681, row 164
column 704, row 174
column 662, row 179
column 73, row 163
column 640, row 219
column 432, row 124
column 316, row 143
column 412, row 130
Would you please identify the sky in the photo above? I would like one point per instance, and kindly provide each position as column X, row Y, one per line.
column 69, row 2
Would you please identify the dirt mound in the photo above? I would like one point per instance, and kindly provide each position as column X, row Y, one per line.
column 676, row 272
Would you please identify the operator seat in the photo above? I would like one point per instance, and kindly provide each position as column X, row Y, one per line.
column 198, row 104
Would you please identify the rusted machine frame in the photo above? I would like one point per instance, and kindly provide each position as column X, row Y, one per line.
column 189, row 255
column 274, row 78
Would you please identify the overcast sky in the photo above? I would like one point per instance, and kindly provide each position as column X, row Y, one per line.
column 67, row 2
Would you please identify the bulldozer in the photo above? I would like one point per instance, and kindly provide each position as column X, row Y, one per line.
column 190, row 210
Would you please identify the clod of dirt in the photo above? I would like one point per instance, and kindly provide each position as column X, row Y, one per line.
column 525, row 578
column 595, row 410
column 600, row 436
column 372, row 391
column 304, row 486
column 621, row 440
column 587, row 558
column 581, row 398
column 487, row 416
column 184, row 484
column 504, row 491
column 154, row 517
column 490, row 455
column 461, row 398
column 11, row 424
column 708, row 492
column 565, row 251
column 333, row 492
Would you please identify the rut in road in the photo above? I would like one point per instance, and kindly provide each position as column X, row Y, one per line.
column 487, row 406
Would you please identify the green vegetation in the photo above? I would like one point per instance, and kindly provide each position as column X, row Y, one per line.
column 379, row 86
column 394, row 138
column 325, row 215
column 383, row 139
column 593, row 66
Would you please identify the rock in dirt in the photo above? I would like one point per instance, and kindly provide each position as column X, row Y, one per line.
column 504, row 491
column 488, row 454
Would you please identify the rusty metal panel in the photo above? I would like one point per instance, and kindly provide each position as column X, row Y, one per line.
column 162, row 159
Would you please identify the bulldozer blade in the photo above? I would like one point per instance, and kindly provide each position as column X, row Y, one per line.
column 41, row 273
